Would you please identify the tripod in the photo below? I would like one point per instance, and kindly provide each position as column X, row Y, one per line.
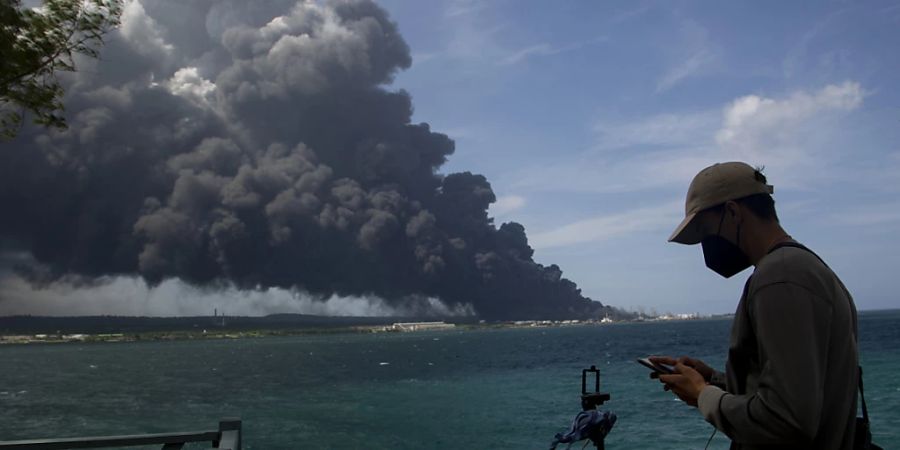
column 591, row 400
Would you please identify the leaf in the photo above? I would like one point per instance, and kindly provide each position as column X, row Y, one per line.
column 37, row 44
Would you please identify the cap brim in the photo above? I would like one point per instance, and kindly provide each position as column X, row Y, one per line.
column 686, row 233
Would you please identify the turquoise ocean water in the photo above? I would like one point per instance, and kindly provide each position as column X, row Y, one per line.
column 485, row 389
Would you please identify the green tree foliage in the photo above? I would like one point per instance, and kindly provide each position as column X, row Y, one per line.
column 38, row 43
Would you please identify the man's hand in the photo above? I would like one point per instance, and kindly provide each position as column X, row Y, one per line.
column 693, row 363
column 686, row 383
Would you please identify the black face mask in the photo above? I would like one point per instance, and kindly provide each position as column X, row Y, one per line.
column 723, row 257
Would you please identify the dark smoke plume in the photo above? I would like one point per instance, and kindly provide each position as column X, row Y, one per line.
column 264, row 150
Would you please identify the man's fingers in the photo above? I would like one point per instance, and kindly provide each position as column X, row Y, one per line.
column 668, row 360
column 666, row 386
column 681, row 394
column 670, row 378
column 685, row 369
column 683, row 383
column 688, row 361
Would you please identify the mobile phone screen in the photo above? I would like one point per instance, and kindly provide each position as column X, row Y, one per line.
column 661, row 368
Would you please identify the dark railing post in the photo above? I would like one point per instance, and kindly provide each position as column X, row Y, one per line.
column 230, row 434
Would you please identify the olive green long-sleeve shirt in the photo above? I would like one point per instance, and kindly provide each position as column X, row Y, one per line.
column 791, row 375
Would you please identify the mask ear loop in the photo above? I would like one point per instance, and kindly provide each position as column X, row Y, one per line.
column 721, row 221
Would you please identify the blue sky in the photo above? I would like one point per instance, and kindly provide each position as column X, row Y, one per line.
column 590, row 119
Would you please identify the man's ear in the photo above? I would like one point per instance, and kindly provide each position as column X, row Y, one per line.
column 733, row 210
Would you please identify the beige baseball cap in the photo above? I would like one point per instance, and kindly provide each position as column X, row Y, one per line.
column 714, row 186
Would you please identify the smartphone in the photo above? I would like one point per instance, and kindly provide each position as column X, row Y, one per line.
column 658, row 368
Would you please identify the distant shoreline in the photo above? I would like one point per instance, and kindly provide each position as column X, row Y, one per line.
column 21, row 330
column 214, row 333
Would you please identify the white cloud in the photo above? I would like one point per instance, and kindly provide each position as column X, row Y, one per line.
column 684, row 129
column 602, row 228
column 132, row 297
column 629, row 14
column 694, row 53
column 459, row 8
column 506, row 204
column 475, row 41
column 693, row 65
column 522, row 54
column 143, row 32
column 545, row 49
column 188, row 83
column 773, row 131
column 791, row 136
column 754, row 112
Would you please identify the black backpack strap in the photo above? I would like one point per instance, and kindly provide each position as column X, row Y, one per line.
column 797, row 245
column 862, row 395
column 863, row 439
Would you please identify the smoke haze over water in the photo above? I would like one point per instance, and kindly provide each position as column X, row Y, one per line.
column 253, row 146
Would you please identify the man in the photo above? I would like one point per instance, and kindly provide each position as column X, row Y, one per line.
column 791, row 376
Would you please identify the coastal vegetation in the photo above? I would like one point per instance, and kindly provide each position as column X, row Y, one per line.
column 89, row 329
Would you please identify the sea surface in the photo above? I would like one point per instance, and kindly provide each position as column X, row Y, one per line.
column 481, row 389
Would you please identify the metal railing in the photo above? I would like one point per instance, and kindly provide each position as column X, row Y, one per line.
column 228, row 436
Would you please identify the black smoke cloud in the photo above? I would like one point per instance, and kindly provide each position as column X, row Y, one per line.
column 256, row 145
